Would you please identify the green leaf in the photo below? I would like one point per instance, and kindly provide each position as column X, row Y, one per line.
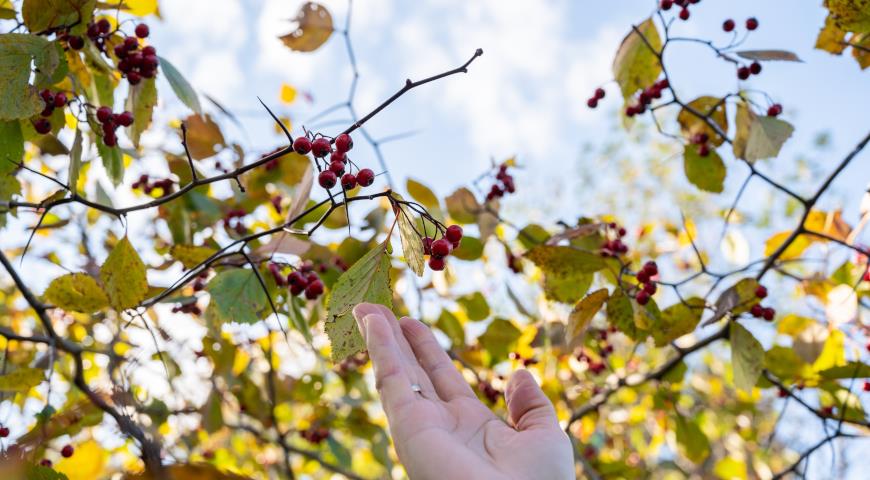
column 38, row 472
column 340, row 452
column 42, row 15
column 583, row 313
column 11, row 145
column 190, row 255
column 21, row 380
column 449, row 324
column 462, row 206
column 706, row 173
column 212, row 415
column 636, row 65
column 113, row 162
column 368, row 280
column 77, row 292
column 851, row 369
column 297, row 317
column 695, row 445
column 620, row 314
column 533, row 235
column 424, row 196
column 698, row 116
column 470, row 249
column 412, row 246
column 183, row 90
column 123, row 276
column 567, row 271
column 141, row 101
column 766, row 137
column 237, row 295
column 737, row 299
column 475, row 306
column 747, row 357
column 499, row 339
column 785, row 363
column 17, row 51
column 851, row 15
column 75, row 161
column 678, row 320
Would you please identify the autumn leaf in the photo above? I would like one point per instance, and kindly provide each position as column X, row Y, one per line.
column 203, row 136
column 747, row 357
column 141, row 101
column 21, row 380
column 412, row 245
column 237, row 296
column 705, row 172
column 314, row 27
column 769, row 55
column 77, row 292
column 20, row 97
column 462, row 206
column 583, row 313
column 190, row 255
column 637, row 65
column 699, row 117
column 123, row 276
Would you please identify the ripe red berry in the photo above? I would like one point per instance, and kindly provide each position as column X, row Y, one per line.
column 436, row 263
column 751, row 23
column 667, row 4
column 302, row 145
column 149, row 50
column 650, row 288
column 651, row 268
column 743, row 73
column 592, row 102
column 728, row 25
column 337, row 167
column 337, row 156
column 93, row 31
column 343, row 143
column 4, row 432
column 120, row 51
column 314, row 289
column 755, row 68
column 104, row 25
column 757, row 311
column 684, row 14
column 769, row 313
column 642, row 276
column 827, row 411
column 703, row 150
column 453, row 233
column 440, row 248
column 348, row 181
column 320, row 147
column 327, row 179
column 642, row 298
column 75, row 42
column 427, row 245
column 296, row 278
column 599, row 93
column 761, row 291
column 130, row 43
column 149, row 62
column 774, row 110
column 867, row 386
column 67, row 451
column 42, row 126
column 142, row 30
column 125, row 119
column 134, row 78
column 365, row 177
column 110, row 139
column 45, row 463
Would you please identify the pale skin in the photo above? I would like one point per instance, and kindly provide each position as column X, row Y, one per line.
column 444, row 431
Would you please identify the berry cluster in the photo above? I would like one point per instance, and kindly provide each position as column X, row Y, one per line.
column 234, row 219
column 653, row 92
column 647, row 284
column 684, row 4
column 594, row 366
column 439, row 249
column 98, row 32
column 593, row 100
column 338, row 166
column 613, row 245
column 304, row 280
column 165, row 184
column 52, row 100
column 743, row 71
column 189, row 307
column 701, row 139
column 504, row 183
column 315, row 434
column 526, row 361
column 133, row 62
column 759, row 311
column 110, row 122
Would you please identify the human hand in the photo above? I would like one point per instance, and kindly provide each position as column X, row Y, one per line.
column 443, row 431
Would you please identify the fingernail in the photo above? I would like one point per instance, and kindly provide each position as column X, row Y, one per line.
column 360, row 312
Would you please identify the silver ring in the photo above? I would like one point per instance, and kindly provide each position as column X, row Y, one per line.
column 416, row 388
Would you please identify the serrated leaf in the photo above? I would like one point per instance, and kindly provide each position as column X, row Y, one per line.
column 567, row 270
column 77, row 292
column 123, row 276
column 141, row 102
column 695, row 444
column 766, row 137
column 182, row 88
column 237, row 295
column 11, row 146
column 583, row 313
column 636, row 65
column 831, row 37
column 678, row 320
column 190, row 255
column 769, row 55
column 707, row 173
column 21, row 380
column 314, row 27
column 462, row 206
column 747, row 357
column 412, row 245
column 17, row 51
column 40, row 15
column 697, row 116
column 368, row 280
column 113, row 162
column 75, row 161
column 620, row 314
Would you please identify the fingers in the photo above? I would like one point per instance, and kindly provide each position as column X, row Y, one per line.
column 528, row 407
column 364, row 309
column 447, row 380
column 391, row 378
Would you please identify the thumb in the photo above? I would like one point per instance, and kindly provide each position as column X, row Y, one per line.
column 528, row 407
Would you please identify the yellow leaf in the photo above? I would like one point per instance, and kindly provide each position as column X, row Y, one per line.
column 123, row 276
column 583, row 313
column 314, row 28
column 636, row 65
column 203, row 135
column 142, row 8
column 697, row 116
column 87, row 462
column 189, row 472
column 77, row 292
column 189, row 255
column 288, row 93
column 21, row 380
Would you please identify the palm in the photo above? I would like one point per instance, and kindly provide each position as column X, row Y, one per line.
column 444, row 431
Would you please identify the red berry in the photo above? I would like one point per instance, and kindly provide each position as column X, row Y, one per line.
column 436, row 263
column 104, row 25
column 4, row 432
column 296, row 278
column 149, row 62
column 769, row 313
column 327, row 179
column 599, row 93
column 755, row 68
column 867, row 386
column 130, row 43
column 827, row 411
column 427, row 245
column 125, row 119
column 440, row 248
column 110, row 139
column 320, row 147
column 93, row 31
column 75, row 42
column 592, row 102
column 761, row 291
column 651, row 268
column 728, row 25
column 751, row 23
column 453, row 233
column 782, row 393
column 134, row 78
column 142, row 30
column 757, row 311
column 667, row 4
column 642, row 276
column 348, row 181
column 45, row 462
column 343, row 143
column 703, row 150
column 149, row 50
column 642, row 298
column 365, row 177
column 314, row 289
column 650, row 288
column 60, row 100
column 684, row 14
column 774, row 110
column 302, row 145
column 42, row 126
column 337, row 167
column 337, row 156
column 67, row 451
column 743, row 73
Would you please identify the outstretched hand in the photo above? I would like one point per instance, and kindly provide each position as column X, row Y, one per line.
column 444, row 431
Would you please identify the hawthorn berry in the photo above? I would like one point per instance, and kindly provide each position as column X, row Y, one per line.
column 337, row 167
column 728, row 25
column 743, row 72
column 761, row 291
column 453, row 233
column 93, row 31
column 104, row 26
column 149, row 50
column 125, row 119
column 650, row 288
column 302, row 145
column 314, row 290
column 320, row 147
column 45, row 463
column 774, row 110
column 769, row 313
column 337, row 156
column 751, row 23
column 365, row 177
column 75, row 42
column 130, row 43
column 295, row 278
column 436, row 263
column 592, row 102
column 684, row 14
column 755, row 68
column 67, row 451
column 42, row 126
column 120, row 51
column 651, row 268
column 343, row 143
column 427, row 245
column 827, row 411
column 60, row 100
column 134, row 78
column 142, row 30
column 642, row 276
column 666, row 4
column 348, row 181
column 703, row 150
column 327, row 179
column 441, row 248
column 867, row 386
column 642, row 297
column 600, row 93
column 4, row 432
column 757, row 311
